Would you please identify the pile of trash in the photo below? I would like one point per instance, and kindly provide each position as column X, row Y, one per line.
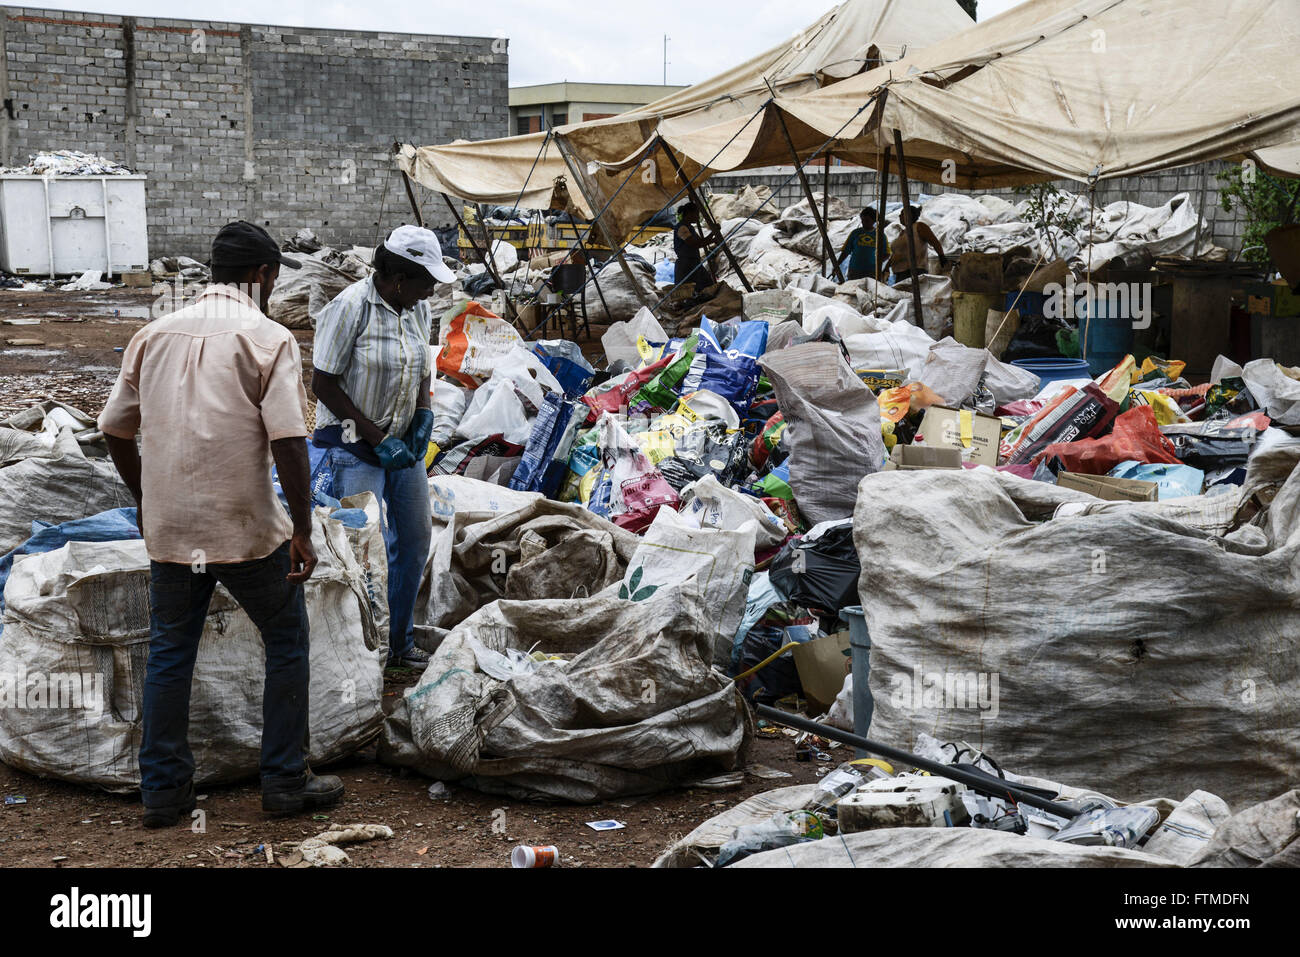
column 68, row 163
column 171, row 267
column 633, row 544
column 788, row 248
column 324, row 272
column 803, row 455
column 867, row 813
column 782, row 248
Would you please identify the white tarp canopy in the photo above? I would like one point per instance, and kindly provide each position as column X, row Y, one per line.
column 1055, row 89
column 843, row 42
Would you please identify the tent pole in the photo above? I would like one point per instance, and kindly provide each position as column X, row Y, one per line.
column 826, row 204
column 410, row 194
column 707, row 214
column 592, row 270
column 909, row 229
column 880, row 228
column 880, row 214
column 1200, row 213
column 486, row 259
column 807, row 191
column 616, row 248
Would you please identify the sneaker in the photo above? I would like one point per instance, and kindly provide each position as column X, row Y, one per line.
column 169, row 815
column 319, row 791
column 415, row 658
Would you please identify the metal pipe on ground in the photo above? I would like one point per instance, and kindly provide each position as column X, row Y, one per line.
column 976, row 781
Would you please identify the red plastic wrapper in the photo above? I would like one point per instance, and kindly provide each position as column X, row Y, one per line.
column 1136, row 437
column 1021, row 408
column 1256, row 419
column 618, row 398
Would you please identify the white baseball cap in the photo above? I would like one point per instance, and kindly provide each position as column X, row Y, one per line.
column 419, row 245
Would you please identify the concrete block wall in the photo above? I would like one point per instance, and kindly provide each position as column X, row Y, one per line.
column 284, row 126
column 860, row 187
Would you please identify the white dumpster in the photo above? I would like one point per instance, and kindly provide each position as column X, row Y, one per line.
column 65, row 225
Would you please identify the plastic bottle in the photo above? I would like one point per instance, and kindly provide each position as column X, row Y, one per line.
column 846, row 779
column 780, row 830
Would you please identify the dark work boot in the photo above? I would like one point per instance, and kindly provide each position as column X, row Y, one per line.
column 169, row 815
column 320, row 791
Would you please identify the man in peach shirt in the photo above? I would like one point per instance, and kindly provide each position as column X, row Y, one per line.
column 215, row 391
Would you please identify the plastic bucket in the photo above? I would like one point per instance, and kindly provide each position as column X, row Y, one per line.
column 1053, row 369
column 860, row 647
column 970, row 313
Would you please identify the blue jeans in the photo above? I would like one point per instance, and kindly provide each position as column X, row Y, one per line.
column 178, row 607
column 408, row 529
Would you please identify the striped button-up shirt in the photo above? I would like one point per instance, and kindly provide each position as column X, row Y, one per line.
column 379, row 355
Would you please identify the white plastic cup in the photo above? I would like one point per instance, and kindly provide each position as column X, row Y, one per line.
column 525, row 856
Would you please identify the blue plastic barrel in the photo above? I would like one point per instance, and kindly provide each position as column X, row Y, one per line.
column 860, row 646
column 1105, row 341
column 1026, row 303
column 1054, row 369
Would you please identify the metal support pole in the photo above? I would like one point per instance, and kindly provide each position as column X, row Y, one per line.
column 592, row 271
column 486, row 259
column 707, row 214
column 910, row 229
column 807, row 190
column 576, row 167
column 880, row 214
column 826, row 204
column 410, row 194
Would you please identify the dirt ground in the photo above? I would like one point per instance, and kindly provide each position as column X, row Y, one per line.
column 62, row 825
column 76, row 344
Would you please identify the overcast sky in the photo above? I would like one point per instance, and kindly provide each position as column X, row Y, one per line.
column 550, row 40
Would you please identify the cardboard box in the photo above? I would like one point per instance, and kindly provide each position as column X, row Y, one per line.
column 1110, row 488
column 908, row 457
column 823, row 664
column 978, row 272
column 943, row 428
column 138, row 280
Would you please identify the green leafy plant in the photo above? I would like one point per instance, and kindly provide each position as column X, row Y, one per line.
column 1269, row 202
column 636, row 593
column 1051, row 212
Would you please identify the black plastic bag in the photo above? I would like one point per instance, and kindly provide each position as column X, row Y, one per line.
column 820, row 573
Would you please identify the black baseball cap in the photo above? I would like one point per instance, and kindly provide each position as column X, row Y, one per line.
column 246, row 244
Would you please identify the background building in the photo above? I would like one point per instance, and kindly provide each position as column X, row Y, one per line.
column 284, row 126
column 546, row 105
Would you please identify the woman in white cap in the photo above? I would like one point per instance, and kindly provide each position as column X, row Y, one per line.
column 371, row 375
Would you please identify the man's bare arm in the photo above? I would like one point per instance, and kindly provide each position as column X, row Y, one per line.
column 126, row 458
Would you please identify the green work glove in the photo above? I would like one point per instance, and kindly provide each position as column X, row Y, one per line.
column 393, row 454
column 417, row 434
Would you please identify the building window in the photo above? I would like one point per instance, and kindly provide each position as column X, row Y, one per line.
column 559, row 119
column 528, row 124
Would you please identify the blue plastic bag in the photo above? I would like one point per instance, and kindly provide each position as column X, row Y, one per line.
column 545, row 460
column 564, row 360
column 733, row 373
column 114, row 525
column 1174, row 481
